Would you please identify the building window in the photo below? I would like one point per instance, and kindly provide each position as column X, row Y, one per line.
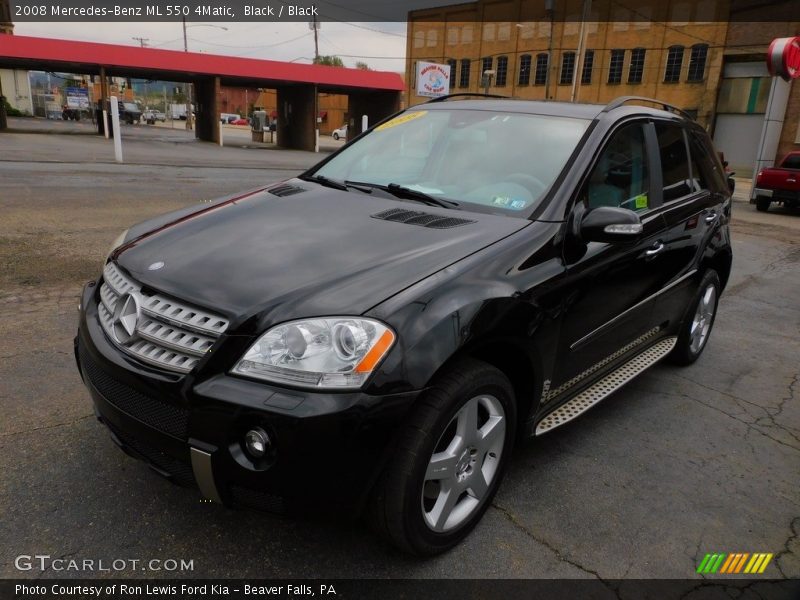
column 463, row 80
column 486, row 64
column 488, row 32
column 466, row 34
column 672, row 73
column 615, row 66
column 525, row 69
column 452, row 36
column 567, row 68
column 419, row 39
column 540, row 76
column 636, row 68
column 697, row 62
column 453, row 64
column 504, row 32
column 432, row 38
column 502, row 71
column 588, row 65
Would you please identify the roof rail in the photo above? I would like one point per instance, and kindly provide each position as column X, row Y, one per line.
column 617, row 102
column 466, row 95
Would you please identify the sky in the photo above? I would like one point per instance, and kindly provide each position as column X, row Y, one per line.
column 381, row 45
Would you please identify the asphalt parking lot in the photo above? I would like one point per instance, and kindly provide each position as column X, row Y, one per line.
column 679, row 463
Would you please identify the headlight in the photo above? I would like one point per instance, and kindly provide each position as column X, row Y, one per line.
column 117, row 242
column 335, row 352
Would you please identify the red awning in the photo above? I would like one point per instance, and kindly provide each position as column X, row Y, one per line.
column 89, row 57
column 323, row 114
column 273, row 114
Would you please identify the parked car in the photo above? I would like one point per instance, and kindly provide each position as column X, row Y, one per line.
column 239, row 121
column 467, row 274
column 129, row 113
column 779, row 184
column 340, row 133
column 229, row 117
column 151, row 116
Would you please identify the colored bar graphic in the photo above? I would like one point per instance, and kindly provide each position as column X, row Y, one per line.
column 734, row 563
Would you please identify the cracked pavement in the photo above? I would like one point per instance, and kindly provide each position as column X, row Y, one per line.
column 680, row 462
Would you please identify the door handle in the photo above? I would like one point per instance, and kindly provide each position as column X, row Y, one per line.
column 655, row 249
column 711, row 217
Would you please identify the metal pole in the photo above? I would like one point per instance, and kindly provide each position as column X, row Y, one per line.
column 587, row 5
column 187, row 86
column 550, row 13
column 115, row 125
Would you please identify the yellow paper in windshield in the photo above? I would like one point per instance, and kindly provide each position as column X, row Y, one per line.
column 640, row 201
column 402, row 119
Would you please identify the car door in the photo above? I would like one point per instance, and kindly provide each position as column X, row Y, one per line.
column 695, row 205
column 609, row 286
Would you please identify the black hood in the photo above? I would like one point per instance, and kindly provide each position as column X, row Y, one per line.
column 314, row 252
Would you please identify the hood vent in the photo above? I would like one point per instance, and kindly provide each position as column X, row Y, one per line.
column 423, row 219
column 286, row 189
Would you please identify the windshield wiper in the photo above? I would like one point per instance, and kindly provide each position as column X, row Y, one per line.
column 335, row 183
column 401, row 191
column 322, row 180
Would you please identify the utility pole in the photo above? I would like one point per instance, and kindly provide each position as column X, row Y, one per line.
column 587, row 5
column 188, row 86
column 143, row 42
column 549, row 11
column 315, row 25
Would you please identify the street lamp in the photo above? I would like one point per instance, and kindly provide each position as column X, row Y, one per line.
column 487, row 80
column 186, row 49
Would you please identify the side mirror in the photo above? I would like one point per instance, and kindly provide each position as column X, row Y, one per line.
column 610, row 224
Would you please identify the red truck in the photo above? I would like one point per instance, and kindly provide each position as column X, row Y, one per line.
column 779, row 184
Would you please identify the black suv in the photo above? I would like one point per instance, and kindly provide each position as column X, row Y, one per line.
column 375, row 335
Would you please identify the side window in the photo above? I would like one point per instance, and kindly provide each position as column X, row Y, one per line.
column 620, row 177
column 704, row 169
column 674, row 161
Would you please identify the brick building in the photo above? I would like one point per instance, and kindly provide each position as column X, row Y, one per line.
column 684, row 53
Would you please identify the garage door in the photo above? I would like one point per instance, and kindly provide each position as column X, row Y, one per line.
column 737, row 136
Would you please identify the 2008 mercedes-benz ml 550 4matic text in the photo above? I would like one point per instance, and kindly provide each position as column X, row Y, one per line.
column 373, row 336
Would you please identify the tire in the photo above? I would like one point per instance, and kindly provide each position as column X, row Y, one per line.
column 409, row 504
column 336, row 136
column 762, row 203
column 702, row 313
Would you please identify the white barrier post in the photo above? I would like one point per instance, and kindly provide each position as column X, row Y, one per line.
column 115, row 125
column 364, row 123
column 105, row 122
column 220, row 135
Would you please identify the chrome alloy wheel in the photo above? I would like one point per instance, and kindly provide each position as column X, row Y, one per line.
column 703, row 317
column 464, row 463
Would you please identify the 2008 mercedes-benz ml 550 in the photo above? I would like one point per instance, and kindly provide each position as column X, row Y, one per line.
column 373, row 336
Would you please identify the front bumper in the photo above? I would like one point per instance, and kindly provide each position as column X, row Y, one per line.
column 328, row 448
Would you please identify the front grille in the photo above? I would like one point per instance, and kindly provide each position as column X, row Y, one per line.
column 169, row 333
column 257, row 500
column 167, row 418
column 178, row 470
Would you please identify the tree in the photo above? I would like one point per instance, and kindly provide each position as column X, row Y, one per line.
column 362, row 65
column 331, row 61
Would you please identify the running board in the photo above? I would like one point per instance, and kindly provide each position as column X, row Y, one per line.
column 606, row 386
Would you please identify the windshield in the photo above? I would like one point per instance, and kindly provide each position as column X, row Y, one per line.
column 500, row 160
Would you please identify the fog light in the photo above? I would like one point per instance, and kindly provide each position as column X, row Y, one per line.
column 257, row 442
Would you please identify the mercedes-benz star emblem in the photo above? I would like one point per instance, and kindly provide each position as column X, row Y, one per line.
column 126, row 317
column 156, row 266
